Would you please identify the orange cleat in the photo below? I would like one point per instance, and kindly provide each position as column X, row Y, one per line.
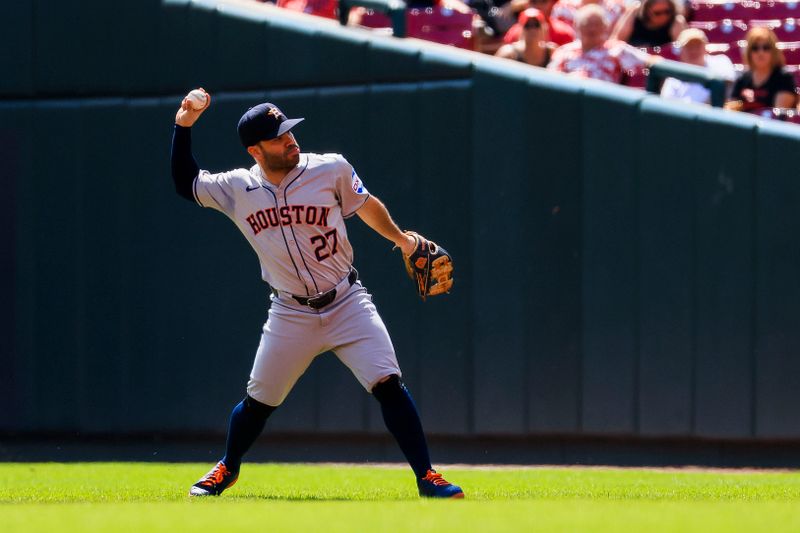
column 433, row 485
column 213, row 483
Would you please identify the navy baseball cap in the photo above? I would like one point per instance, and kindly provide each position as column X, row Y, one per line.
column 263, row 122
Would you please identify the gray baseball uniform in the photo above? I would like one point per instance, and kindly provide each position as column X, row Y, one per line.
column 297, row 229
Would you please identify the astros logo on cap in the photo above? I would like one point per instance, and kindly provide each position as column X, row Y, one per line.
column 275, row 112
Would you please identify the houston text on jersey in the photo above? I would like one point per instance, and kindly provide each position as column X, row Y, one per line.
column 288, row 215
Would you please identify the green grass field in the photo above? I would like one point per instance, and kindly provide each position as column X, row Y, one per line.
column 146, row 497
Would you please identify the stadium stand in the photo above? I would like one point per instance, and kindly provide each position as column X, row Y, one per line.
column 437, row 24
column 725, row 23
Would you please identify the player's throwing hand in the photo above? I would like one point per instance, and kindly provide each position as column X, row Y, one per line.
column 192, row 107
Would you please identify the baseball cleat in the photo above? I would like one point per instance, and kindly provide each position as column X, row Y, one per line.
column 213, row 483
column 433, row 485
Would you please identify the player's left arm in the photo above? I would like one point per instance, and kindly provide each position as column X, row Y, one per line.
column 376, row 216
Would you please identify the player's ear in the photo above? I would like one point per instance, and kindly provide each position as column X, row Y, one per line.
column 254, row 151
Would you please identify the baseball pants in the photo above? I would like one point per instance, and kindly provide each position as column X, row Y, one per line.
column 294, row 335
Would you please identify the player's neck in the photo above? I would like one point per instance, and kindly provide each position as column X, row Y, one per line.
column 274, row 176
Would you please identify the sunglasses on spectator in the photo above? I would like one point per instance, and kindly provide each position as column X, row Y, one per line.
column 759, row 47
column 532, row 25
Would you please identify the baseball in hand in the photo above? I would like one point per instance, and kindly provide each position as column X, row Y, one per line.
column 197, row 99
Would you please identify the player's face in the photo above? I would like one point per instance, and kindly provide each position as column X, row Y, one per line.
column 280, row 153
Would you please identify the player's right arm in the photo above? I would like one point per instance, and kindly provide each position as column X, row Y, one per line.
column 184, row 165
column 376, row 216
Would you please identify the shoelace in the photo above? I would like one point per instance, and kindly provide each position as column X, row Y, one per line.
column 436, row 479
column 216, row 476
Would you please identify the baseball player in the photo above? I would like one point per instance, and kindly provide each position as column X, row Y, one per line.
column 291, row 207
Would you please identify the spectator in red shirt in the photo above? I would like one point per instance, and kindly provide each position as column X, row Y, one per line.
column 592, row 54
column 564, row 10
column 320, row 8
column 560, row 33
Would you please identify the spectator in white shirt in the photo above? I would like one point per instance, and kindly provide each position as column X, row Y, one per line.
column 692, row 43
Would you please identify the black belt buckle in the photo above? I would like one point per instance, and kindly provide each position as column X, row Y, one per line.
column 321, row 300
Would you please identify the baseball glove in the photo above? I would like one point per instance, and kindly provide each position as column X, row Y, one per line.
column 429, row 266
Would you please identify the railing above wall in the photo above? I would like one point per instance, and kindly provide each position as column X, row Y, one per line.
column 685, row 72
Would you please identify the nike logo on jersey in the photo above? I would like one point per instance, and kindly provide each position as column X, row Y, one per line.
column 288, row 215
column 249, row 188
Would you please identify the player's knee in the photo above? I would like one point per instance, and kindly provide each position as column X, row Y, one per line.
column 265, row 393
column 388, row 387
column 257, row 407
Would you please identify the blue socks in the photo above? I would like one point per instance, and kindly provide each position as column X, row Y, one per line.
column 246, row 424
column 399, row 413
column 402, row 420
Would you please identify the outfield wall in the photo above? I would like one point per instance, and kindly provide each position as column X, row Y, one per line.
column 625, row 266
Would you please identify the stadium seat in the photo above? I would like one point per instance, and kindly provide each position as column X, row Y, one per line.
column 786, row 29
column 732, row 50
column 436, row 24
column 779, row 10
column 636, row 78
column 791, row 51
column 723, row 31
column 711, row 11
column 374, row 19
column 440, row 25
column 785, row 115
column 795, row 70
column 668, row 51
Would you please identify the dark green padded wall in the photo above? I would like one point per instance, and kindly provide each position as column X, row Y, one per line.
column 16, row 49
column 724, row 302
column 666, row 275
column 625, row 266
column 609, row 342
column 777, row 343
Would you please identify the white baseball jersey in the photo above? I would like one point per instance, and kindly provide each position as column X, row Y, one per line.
column 296, row 228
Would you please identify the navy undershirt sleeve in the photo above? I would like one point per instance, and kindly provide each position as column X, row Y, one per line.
column 184, row 166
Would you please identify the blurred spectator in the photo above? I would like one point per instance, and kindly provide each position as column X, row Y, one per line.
column 592, row 54
column 564, row 10
column 533, row 47
column 560, row 33
column 765, row 84
column 497, row 15
column 650, row 23
column 356, row 15
column 455, row 5
column 692, row 43
column 321, row 8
